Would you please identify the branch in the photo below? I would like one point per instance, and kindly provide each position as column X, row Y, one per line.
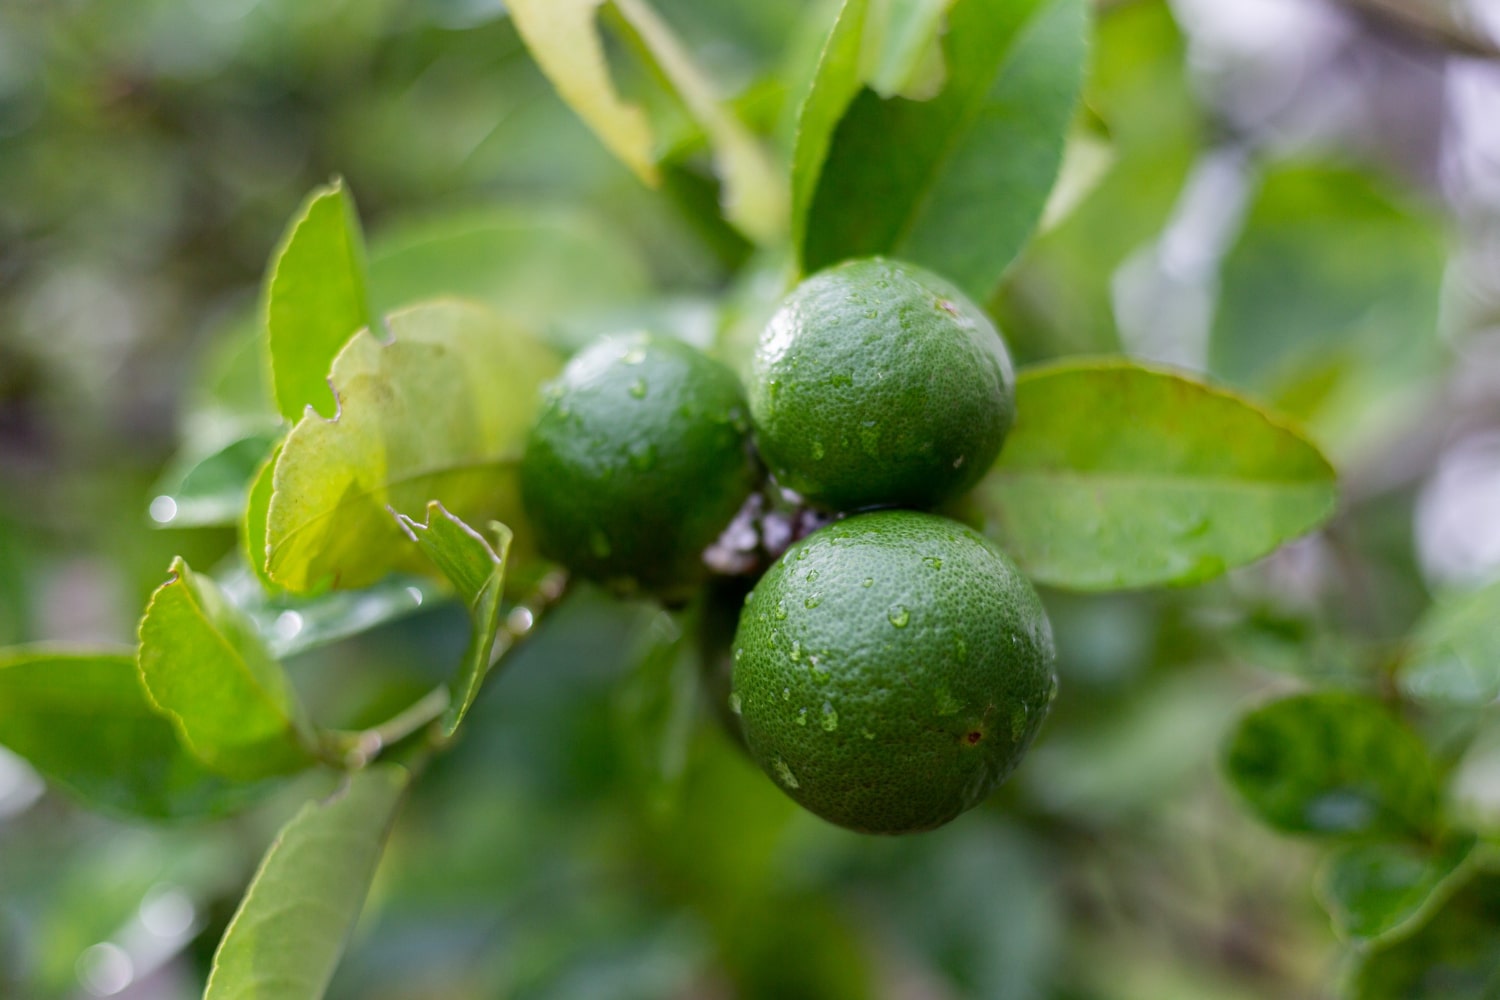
column 1431, row 24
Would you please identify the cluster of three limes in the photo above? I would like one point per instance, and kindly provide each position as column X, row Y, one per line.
column 892, row 667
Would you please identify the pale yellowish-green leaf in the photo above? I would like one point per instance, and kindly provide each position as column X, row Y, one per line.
column 755, row 199
column 438, row 413
column 563, row 38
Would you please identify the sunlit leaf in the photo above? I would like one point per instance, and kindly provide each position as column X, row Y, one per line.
column 1333, row 763
column 316, row 298
column 477, row 571
column 1455, row 651
column 1373, row 891
column 439, row 413
column 205, row 666
column 83, row 720
column 1454, row 956
column 291, row 928
column 198, row 490
column 254, row 528
column 1119, row 476
column 957, row 183
column 903, row 51
column 564, row 40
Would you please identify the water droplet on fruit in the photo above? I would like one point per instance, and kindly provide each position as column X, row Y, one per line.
column 780, row 611
column 958, row 463
column 796, row 650
column 898, row 615
column 817, row 451
column 634, row 356
column 933, row 561
column 802, row 716
column 812, row 575
column 784, row 773
column 739, row 653
column 643, row 456
column 734, row 703
column 801, row 554
column 812, row 601
column 869, row 582
column 830, row 718
column 638, row 388
column 786, row 694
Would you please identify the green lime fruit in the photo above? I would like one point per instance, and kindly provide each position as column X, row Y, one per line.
column 879, row 384
column 891, row 669
column 638, row 459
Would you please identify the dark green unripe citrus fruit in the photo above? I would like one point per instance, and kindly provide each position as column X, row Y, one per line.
column 638, row 459
column 891, row 669
column 879, row 384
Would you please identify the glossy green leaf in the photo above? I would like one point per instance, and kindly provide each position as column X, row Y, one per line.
column 254, row 536
column 1454, row 956
column 316, row 298
column 205, row 666
column 199, row 490
column 82, row 719
column 524, row 262
column 835, row 82
column 1373, row 891
column 477, row 571
column 1455, row 651
column 754, row 194
column 1118, row 476
column 1333, row 763
column 291, row 928
column 957, row 183
column 439, row 413
column 904, row 54
column 564, row 40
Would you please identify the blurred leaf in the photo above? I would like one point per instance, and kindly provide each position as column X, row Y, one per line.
column 1118, row 476
column 254, row 531
column 316, row 298
column 439, row 413
column 1455, row 651
column 286, row 938
column 1333, row 763
column 535, row 266
column 229, row 396
column 83, row 720
column 1455, row 956
column 1333, row 279
column 204, row 665
column 477, row 571
column 657, row 708
column 904, row 50
column 834, row 84
column 1373, row 891
column 564, row 40
column 754, row 192
column 210, row 489
column 959, row 182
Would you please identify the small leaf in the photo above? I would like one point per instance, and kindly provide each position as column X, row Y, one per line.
column 1333, row 763
column 522, row 261
column 1118, row 476
column 1455, row 651
column 316, row 298
column 834, row 85
column 291, row 928
column 1374, row 891
column 254, row 529
column 477, row 571
column 83, row 720
column 958, row 183
column 210, row 489
column 754, row 192
column 563, row 38
column 1454, row 956
column 205, row 667
column 440, row 412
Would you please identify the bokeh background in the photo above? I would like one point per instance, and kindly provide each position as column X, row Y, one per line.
column 1299, row 197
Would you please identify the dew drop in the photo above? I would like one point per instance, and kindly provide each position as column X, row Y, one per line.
column 786, row 694
column 868, row 583
column 734, row 704
column 867, row 734
column 780, row 611
column 638, row 388
column 830, row 718
column 796, row 650
column 958, row 463
column 739, row 653
column 634, row 356
column 802, row 717
column 812, row 601
column 817, row 451
column 812, row 575
column 933, row 561
column 898, row 615
column 643, row 456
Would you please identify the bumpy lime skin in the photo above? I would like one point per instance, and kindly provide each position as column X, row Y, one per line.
column 879, row 384
column 638, row 459
column 891, row 669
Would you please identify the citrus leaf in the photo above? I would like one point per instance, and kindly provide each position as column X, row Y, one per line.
column 957, row 183
column 835, row 82
column 197, row 490
column 522, row 261
column 1118, row 476
column 254, row 529
column 754, row 192
column 286, row 938
column 1375, row 891
column 316, row 298
column 563, row 38
column 205, row 667
column 1455, row 651
column 904, row 52
column 1454, row 956
column 440, row 412
column 1333, row 763
column 82, row 719
column 477, row 572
